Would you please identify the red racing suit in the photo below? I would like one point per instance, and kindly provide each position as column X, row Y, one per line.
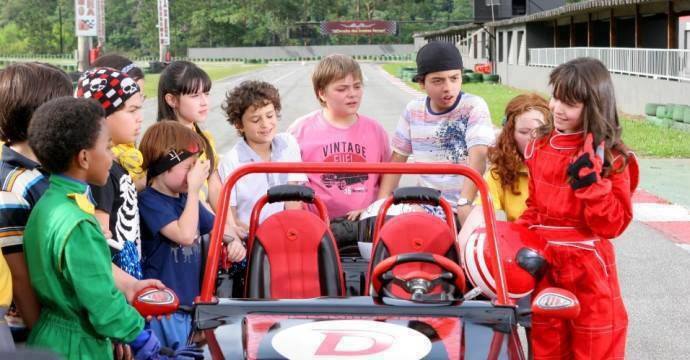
column 577, row 225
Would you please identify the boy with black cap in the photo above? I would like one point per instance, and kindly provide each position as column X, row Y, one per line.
column 445, row 126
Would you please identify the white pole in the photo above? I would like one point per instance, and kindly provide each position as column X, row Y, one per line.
column 83, row 48
column 86, row 24
column 101, row 23
column 163, row 29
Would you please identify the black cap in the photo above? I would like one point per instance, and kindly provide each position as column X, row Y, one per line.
column 437, row 56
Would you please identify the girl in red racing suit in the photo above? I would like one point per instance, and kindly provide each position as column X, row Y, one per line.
column 581, row 180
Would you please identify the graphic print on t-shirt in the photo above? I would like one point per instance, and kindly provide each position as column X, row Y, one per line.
column 451, row 138
column 186, row 254
column 126, row 232
column 345, row 152
column 128, row 214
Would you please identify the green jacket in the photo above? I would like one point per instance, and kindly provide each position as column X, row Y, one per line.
column 70, row 269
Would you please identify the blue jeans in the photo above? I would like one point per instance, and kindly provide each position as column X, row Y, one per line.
column 173, row 332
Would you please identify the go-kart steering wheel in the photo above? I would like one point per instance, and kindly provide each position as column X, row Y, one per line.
column 419, row 284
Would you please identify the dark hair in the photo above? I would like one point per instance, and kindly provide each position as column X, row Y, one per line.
column 183, row 78
column 179, row 78
column 119, row 62
column 23, row 88
column 63, row 127
column 587, row 81
column 249, row 93
column 505, row 158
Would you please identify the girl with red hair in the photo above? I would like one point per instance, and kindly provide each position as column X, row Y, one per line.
column 507, row 178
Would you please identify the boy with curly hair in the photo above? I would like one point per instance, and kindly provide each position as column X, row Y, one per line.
column 253, row 108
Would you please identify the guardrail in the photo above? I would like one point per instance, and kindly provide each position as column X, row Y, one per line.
column 673, row 64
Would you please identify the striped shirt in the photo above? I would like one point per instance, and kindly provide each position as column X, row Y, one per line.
column 443, row 137
column 22, row 185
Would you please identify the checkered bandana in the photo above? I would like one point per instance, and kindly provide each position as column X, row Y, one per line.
column 109, row 87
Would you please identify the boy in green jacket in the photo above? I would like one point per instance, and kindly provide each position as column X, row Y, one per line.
column 66, row 252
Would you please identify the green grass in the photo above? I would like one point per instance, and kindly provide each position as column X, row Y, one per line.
column 496, row 96
column 644, row 138
column 216, row 71
column 647, row 139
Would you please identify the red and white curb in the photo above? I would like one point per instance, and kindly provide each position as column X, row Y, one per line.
column 401, row 84
column 670, row 219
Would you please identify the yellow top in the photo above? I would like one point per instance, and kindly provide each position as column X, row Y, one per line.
column 5, row 283
column 131, row 159
column 211, row 141
column 505, row 199
column 203, row 193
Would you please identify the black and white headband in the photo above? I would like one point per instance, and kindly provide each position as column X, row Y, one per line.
column 172, row 158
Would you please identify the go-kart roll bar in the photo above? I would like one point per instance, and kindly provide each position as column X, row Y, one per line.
column 256, row 214
column 211, row 267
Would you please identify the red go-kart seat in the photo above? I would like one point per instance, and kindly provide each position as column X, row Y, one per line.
column 292, row 254
column 416, row 232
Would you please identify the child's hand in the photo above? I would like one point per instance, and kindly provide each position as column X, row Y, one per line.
column 134, row 287
column 354, row 214
column 587, row 167
column 235, row 232
column 197, row 175
column 236, row 251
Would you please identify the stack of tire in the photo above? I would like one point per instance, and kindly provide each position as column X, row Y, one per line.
column 469, row 76
column 666, row 115
column 490, row 78
column 407, row 73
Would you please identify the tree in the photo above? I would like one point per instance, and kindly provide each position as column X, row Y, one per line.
column 34, row 26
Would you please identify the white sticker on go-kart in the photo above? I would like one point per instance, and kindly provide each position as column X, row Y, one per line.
column 351, row 339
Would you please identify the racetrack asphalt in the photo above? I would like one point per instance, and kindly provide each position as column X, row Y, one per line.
column 653, row 268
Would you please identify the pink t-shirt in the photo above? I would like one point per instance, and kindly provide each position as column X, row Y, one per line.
column 363, row 141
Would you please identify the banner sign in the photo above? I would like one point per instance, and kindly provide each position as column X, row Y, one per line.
column 373, row 27
column 163, row 23
column 86, row 16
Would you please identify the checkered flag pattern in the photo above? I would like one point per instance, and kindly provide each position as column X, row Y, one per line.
column 111, row 88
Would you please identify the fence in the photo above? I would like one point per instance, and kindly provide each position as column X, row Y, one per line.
column 671, row 64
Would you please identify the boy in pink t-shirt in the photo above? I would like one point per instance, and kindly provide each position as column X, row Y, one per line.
column 337, row 133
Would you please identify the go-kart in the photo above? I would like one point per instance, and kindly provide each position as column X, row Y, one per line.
column 426, row 294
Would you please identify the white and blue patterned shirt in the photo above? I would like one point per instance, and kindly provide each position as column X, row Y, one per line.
column 22, row 185
column 443, row 137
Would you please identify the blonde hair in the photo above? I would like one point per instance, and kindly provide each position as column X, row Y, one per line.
column 333, row 68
